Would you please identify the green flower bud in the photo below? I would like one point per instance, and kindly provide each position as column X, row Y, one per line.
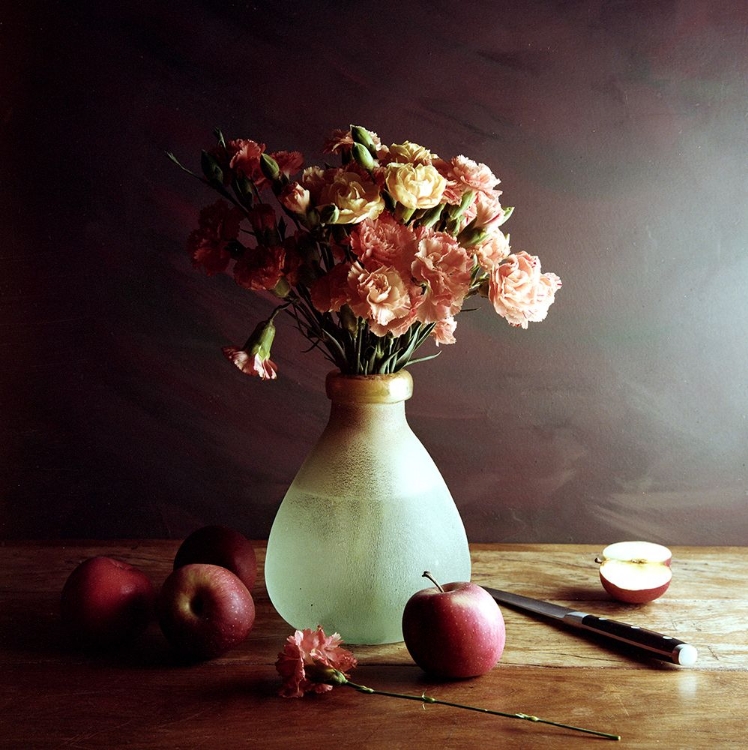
column 431, row 217
column 212, row 171
column 363, row 136
column 363, row 156
column 348, row 319
column 329, row 214
column 270, row 168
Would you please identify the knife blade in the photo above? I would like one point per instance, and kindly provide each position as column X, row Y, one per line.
column 654, row 644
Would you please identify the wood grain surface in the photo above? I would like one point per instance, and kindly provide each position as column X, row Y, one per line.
column 52, row 697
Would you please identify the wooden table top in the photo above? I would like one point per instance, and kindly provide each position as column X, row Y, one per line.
column 51, row 697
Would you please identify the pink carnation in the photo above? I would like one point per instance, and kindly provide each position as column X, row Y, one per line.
column 383, row 298
column 309, row 654
column 251, row 364
column 519, row 292
column 492, row 251
column 443, row 267
column 444, row 330
column 208, row 245
column 384, row 242
column 473, row 175
column 246, row 159
column 289, row 162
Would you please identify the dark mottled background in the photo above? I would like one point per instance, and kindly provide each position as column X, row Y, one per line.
column 619, row 130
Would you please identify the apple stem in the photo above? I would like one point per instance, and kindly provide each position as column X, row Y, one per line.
column 431, row 578
column 341, row 679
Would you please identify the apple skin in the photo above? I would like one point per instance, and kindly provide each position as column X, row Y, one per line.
column 458, row 632
column 106, row 603
column 220, row 545
column 204, row 610
column 636, row 572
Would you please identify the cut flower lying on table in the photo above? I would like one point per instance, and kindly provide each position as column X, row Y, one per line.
column 371, row 258
column 312, row 662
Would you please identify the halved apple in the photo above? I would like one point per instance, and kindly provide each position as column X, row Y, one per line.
column 635, row 572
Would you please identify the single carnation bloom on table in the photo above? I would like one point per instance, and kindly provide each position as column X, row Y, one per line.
column 519, row 292
column 308, row 659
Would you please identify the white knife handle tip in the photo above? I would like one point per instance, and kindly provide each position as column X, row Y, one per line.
column 685, row 655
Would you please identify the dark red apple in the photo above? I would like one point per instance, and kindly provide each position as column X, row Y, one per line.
column 106, row 603
column 219, row 545
column 204, row 610
column 456, row 630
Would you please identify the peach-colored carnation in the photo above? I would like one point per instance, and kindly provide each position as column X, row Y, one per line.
column 355, row 197
column 444, row 330
column 518, row 290
column 289, row 162
column 492, row 251
column 251, row 364
column 381, row 297
column 246, row 159
column 305, row 655
column 443, row 267
column 415, row 185
column 217, row 227
column 384, row 242
column 474, row 175
column 295, row 198
column 489, row 213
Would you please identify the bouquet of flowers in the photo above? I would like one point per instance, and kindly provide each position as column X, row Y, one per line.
column 371, row 258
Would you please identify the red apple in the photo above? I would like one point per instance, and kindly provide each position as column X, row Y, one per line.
column 635, row 572
column 456, row 630
column 205, row 610
column 106, row 602
column 219, row 545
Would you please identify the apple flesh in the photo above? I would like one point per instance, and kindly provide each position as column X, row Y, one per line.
column 219, row 545
column 635, row 572
column 106, row 603
column 454, row 631
column 204, row 610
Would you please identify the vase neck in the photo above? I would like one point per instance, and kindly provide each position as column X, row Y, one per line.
column 369, row 389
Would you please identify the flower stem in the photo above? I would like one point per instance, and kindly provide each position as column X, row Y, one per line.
column 527, row 717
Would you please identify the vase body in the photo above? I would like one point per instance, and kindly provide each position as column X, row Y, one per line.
column 366, row 515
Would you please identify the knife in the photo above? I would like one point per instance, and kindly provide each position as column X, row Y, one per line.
column 654, row 644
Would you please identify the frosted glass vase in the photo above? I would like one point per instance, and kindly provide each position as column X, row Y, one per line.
column 366, row 515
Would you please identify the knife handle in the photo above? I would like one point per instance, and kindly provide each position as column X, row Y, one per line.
column 656, row 644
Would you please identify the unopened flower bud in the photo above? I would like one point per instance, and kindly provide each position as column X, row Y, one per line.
column 363, row 156
column 211, row 169
column 472, row 235
column 270, row 168
column 348, row 319
column 329, row 214
column 363, row 136
column 431, row 217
